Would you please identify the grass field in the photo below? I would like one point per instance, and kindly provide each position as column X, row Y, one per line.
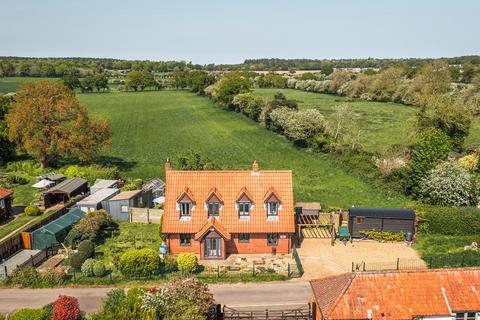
column 149, row 127
column 384, row 124
column 11, row 84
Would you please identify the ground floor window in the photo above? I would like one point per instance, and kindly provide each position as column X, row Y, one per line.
column 466, row 316
column 185, row 240
column 272, row 239
column 243, row 237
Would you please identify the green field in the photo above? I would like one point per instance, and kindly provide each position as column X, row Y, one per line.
column 384, row 124
column 149, row 127
column 12, row 84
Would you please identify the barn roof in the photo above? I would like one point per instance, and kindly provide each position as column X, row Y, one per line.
column 126, row 195
column 396, row 213
column 98, row 196
column 68, row 186
column 103, row 184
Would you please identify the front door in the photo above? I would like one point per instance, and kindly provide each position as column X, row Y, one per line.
column 213, row 248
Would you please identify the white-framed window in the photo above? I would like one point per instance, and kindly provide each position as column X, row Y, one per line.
column 244, row 209
column 185, row 208
column 213, row 209
column 272, row 239
column 466, row 316
column 124, row 209
column 185, row 240
column 272, row 209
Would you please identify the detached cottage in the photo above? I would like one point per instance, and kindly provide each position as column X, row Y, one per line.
column 216, row 213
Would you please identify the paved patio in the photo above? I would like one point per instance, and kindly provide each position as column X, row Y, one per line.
column 243, row 262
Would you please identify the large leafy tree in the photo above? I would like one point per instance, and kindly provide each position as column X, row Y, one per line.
column 7, row 148
column 47, row 122
column 229, row 86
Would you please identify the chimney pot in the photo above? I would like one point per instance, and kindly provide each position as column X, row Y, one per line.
column 168, row 166
column 255, row 166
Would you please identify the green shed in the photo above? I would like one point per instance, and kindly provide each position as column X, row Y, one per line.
column 55, row 231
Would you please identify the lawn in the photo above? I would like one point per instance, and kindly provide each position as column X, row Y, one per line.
column 384, row 124
column 149, row 127
column 11, row 84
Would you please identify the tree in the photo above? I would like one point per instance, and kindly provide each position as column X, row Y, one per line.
column 303, row 125
column 198, row 80
column 100, row 82
column 66, row 308
column 193, row 160
column 7, row 148
column 47, row 122
column 249, row 104
column 449, row 185
column 229, row 86
column 432, row 148
column 87, row 84
column 468, row 72
column 71, row 82
column 134, row 80
column 433, row 79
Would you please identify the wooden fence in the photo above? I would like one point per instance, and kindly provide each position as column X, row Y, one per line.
column 145, row 215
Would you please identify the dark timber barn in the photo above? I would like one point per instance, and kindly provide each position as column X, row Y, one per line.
column 380, row 219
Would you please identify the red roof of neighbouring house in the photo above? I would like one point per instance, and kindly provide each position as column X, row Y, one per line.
column 398, row 294
column 4, row 193
column 230, row 184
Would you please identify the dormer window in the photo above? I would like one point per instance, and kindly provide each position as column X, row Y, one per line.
column 185, row 209
column 272, row 203
column 213, row 203
column 185, row 204
column 244, row 204
column 272, row 208
column 244, row 209
column 213, row 209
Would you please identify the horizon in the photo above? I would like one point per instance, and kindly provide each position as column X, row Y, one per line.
column 228, row 33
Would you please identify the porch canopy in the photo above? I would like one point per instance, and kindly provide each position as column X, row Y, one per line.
column 55, row 231
column 65, row 190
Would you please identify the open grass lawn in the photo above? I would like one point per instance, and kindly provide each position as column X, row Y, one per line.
column 149, row 127
column 384, row 124
column 12, row 84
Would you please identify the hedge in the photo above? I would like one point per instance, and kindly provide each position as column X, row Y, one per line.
column 139, row 263
column 28, row 314
column 451, row 221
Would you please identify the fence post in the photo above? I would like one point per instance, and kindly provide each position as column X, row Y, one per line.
column 288, row 271
column 353, row 266
column 6, row 271
column 398, row 263
column 363, row 265
column 218, row 271
column 463, row 260
column 148, row 215
column 31, row 260
column 431, row 262
column 253, row 268
column 74, row 276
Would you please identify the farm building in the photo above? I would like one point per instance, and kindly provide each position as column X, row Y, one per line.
column 103, row 184
column 119, row 206
column 65, row 190
column 308, row 208
column 5, row 202
column 380, row 219
column 55, row 231
column 97, row 200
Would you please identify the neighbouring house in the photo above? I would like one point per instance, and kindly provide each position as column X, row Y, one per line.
column 308, row 208
column 380, row 219
column 119, row 206
column 97, row 200
column 216, row 213
column 436, row 294
column 104, row 184
column 6, row 200
column 64, row 191
column 55, row 231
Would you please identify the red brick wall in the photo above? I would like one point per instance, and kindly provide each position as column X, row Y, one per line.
column 256, row 245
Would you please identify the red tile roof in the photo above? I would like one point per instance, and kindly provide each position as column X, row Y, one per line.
column 213, row 223
column 230, row 185
column 398, row 294
column 4, row 193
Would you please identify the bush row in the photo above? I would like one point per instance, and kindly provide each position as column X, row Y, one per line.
column 450, row 221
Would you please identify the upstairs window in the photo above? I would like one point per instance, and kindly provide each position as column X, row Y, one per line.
column 272, row 209
column 185, row 208
column 244, row 209
column 213, row 209
column 272, row 203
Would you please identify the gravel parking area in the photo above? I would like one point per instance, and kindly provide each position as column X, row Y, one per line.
column 320, row 258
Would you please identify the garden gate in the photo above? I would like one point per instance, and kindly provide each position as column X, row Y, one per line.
column 302, row 313
column 315, row 225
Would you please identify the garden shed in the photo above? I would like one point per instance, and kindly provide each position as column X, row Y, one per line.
column 381, row 219
column 119, row 206
column 55, row 231
column 97, row 200
column 103, row 184
column 156, row 186
column 65, row 190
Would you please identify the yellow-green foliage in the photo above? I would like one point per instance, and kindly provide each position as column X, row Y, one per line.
column 139, row 263
column 187, row 262
column 384, row 236
column 28, row 314
column 469, row 162
column 33, row 211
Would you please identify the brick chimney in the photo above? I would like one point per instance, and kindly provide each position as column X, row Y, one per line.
column 168, row 167
column 255, row 171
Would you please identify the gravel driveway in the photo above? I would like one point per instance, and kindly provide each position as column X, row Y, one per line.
column 320, row 258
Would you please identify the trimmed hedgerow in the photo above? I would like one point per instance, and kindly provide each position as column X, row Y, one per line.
column 451, row 221
column 28, row 314
column 139, row 263
column 187, row 262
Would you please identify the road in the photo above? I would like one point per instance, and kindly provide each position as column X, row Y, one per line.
column 251, row 295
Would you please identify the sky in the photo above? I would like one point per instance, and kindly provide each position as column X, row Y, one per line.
column 227, row 31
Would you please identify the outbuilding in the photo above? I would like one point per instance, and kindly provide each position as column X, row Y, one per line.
column 103, row 184
column 65, row 190
column 97, row 200
column 5, row 202
column 119, row 206
column 55, row 231
column 380, row 219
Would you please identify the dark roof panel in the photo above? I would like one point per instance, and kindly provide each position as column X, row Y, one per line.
column 398, row 213
column 68, row 186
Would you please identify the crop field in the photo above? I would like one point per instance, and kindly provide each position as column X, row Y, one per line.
column 149, row 127
column 383, row 123
column 12, row 84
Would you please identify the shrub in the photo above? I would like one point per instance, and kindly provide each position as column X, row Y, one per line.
column 87, row 267
column 30, row 167
column 451, row 221
column 169, row 264
column 90, row 227
column 99, row 269
column 113, row 301
column 30, row 278
column 77, row 260
column 87, row 247
column 66, row 308
column 187, row 262
column 139, row 263
column 469, row 162
column 16, row 179
column 133, row 185
column 48, row 311
column 28, row 314
column 33, row 211
column 92, row 172
column 384, row 235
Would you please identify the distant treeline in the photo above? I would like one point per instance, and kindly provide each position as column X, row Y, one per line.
column 59, row 67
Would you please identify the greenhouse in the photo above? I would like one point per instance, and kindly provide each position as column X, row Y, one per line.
column 55, row 231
